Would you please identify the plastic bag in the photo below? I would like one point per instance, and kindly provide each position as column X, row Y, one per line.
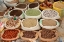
column 2, row 7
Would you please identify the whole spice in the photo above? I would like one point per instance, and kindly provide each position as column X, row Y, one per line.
column 22, row 6
column 33, row 5
column 29, row 34
column 9, row 34
column 29, row 23
column 12, row 23
column 47, row 34
column 16, row 12
column 50, row 13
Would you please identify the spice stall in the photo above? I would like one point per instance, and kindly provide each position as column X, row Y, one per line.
column 31, row 21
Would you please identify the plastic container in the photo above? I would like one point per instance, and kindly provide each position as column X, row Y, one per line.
column 37, row 27
column 37, row 17
column 49, row 12
column 49, row 27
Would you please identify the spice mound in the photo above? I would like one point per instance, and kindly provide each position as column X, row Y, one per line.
column 12, row 23
column 22, row 6
column 33, row 5
column 16, row 12
column 33, row 12
column 29, row 34
column 29, row 22
column 50, row 13
column 49, row 22
column 47, row 34
column 10, row 34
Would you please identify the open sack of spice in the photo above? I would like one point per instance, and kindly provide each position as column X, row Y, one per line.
column 12, row 23
column 30, row 36
column 33, row 13
column 46, row 35
column 30, row 24
column 50, row 14
column 16, row 12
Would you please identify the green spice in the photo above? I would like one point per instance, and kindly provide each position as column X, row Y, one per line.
column 33, row 12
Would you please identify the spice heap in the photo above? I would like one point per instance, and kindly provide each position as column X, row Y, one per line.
column 47, row 34
column 33, row 5
column 10, row 34
column 22, row 6
column 50, row 13
column 12, row 23
column 49, row 22
column 29, row 22
column 33, row 12
column 29, row 34
column 16, row 12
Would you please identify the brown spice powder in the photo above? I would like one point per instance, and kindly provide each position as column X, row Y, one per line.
column 16, row 12
column 21, row 6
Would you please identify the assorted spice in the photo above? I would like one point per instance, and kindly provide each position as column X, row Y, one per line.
column 49, row 22
column 33, row 12
column 29, row 22
column 29, row 34
column 16, row 12
column 12, row 33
